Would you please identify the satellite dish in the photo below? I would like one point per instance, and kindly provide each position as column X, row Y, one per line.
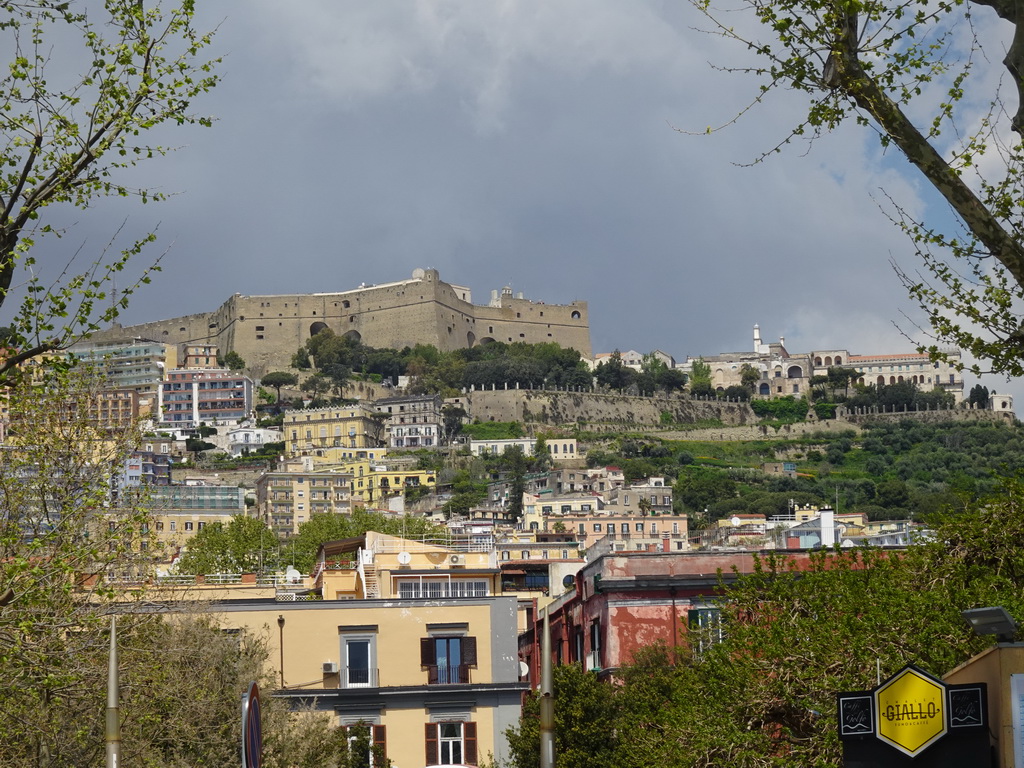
column 568, row 580
column 524, row 669
column 404, row 558
column 735, row 521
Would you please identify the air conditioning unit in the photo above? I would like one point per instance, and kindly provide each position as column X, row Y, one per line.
column 330, row 667
column 457, row 559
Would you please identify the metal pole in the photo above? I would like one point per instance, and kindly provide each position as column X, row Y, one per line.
column 547, row 699
column 280, row 626
column 113, row 729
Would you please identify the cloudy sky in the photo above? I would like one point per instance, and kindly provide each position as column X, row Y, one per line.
column 556, row 146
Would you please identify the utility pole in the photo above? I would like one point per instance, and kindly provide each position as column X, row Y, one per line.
column 113, row 730
column 547, row 699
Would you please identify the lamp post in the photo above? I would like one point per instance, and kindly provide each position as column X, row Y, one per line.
column 994, row 620
column 280, row 628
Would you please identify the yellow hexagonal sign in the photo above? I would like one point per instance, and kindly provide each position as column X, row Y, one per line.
column 911, row 711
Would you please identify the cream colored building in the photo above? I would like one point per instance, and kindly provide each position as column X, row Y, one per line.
column 313, row 431
column 288, row 496
column 374, row 483
column 412, row 640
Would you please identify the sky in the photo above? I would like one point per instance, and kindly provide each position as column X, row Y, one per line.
column 556, row 146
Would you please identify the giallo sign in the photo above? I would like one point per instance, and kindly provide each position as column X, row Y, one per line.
column 911, row 711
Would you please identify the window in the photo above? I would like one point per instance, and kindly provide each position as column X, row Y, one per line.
column 594, row 657
column 597, row 527
column 451, row 743
column 188, row 525
column 447, row 658
column 358, row 652
column 416, row 589
column 366, row 744
column 706, row 624
column 174, row 525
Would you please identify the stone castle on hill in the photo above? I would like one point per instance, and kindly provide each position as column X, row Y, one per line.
column 267, row 330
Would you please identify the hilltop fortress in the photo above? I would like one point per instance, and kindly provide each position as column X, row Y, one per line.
column 267, row 330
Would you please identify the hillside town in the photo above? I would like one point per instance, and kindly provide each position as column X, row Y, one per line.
column 613, row 562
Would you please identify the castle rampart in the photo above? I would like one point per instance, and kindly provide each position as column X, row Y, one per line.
column 266, row 330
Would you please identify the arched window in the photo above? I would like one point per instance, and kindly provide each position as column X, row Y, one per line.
column 794, row 372
column 828, row 361
column 576, row 315
column 817, row 361
column 315, row 328
column 839, row 361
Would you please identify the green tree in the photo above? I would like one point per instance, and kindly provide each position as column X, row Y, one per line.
column 316, row 385
column 750, row 377
column 515, row 465
column 452, row 417
column 700, row 379
column 979, row 397
column 234, row 361
column 614, row 374
column 81, row 91
column 904, row 69
column 279, row 379
column 698, row 488
column 585, row 723
column 244, row 545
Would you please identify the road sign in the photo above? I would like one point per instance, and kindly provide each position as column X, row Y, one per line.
column 911, row 711
column 252, row 733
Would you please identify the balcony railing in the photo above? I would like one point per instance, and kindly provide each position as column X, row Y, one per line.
column 447, row 674
column 360, row 678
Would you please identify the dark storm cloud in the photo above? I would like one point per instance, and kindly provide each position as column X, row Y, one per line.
column 530, row 144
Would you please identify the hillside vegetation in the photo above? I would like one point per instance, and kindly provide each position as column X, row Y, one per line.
column 893, row 470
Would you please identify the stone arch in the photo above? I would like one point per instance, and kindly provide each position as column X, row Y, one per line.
column 354, row 336
column 892, row 379
column 828, row 360
column 470, row 339
column 315, row 328
column 486, row 340
column 817, row 361
column 839, row 361
column 900, row 379
column 881, row 380
column 794, row 372
column 764, row 389
column 576, row 314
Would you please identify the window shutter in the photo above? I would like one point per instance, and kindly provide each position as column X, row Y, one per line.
column 428, row 655
column 469, row 742
column 432, row 743
column 380, row 739
column 469, row 651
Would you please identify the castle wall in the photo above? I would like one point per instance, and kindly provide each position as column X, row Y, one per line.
column 597, row 412
column 267, row 330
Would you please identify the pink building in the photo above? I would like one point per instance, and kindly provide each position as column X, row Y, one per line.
column 190, row 397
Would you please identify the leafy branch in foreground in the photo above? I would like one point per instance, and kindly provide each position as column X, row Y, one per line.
column 73, row 119
column 879, row 62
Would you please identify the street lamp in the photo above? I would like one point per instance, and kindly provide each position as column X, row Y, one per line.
column 280, row 628
column 994, row 620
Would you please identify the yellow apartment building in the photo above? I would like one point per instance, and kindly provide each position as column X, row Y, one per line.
column 374, row 483
column 411, row 639
column 312, row 431
column 287, row 497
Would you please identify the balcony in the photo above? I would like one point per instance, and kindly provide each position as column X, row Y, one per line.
column 447, row 674
column 360, row 678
